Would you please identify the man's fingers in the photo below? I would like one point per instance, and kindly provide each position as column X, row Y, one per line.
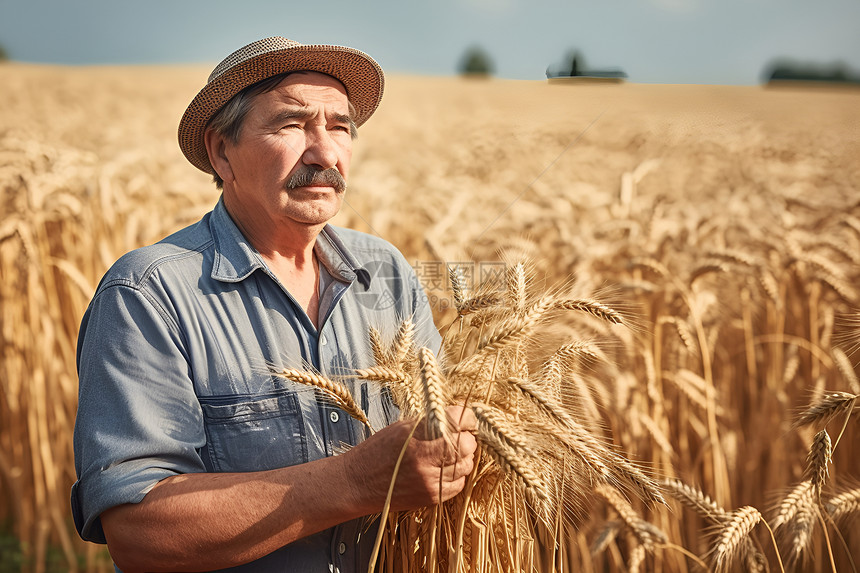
column 461, row 418
column 462, row 467
column 458, row 447
column 457, row 472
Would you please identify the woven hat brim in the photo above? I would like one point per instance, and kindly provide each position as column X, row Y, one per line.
column 359, row 73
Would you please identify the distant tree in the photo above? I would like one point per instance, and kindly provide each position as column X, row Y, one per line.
column 3, row 55
column 577, row 64
column 572, row 64
column 784, row 69
column 476, row 62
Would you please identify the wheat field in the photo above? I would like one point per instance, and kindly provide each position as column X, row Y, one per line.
column 721, row 222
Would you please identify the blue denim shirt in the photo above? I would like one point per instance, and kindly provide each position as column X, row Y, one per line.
column 175, row 354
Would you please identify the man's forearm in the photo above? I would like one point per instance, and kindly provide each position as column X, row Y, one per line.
column 200, row 522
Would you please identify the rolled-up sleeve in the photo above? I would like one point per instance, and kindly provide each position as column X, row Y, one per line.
column 138, row 419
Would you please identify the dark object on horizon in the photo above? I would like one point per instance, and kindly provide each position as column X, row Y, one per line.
column 476, row 62
column 573, row 67
column 3, row 55
column 792, row 71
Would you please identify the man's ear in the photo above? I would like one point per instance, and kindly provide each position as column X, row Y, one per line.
column 216, row 148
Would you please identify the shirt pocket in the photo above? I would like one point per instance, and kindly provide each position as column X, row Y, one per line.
column 254, row 433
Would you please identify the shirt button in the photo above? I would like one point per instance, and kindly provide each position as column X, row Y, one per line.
column 334, row 417
column 323, row 340
column 341, row 548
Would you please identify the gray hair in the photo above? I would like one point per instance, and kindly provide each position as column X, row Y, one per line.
column 228, row 120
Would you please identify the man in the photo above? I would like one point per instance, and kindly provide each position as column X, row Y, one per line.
column 190, row 454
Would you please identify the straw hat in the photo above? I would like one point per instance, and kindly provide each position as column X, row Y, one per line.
column 359, row 73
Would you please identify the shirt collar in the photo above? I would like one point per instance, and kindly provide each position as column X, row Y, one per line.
column 337, row 259
column 235, row 258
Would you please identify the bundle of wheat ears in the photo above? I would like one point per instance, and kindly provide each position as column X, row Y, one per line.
column 541, row 454
column 537, row 458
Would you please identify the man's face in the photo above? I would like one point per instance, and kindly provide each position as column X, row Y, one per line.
column 290, row 135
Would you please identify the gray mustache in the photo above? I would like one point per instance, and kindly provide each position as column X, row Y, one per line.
column 308, row 176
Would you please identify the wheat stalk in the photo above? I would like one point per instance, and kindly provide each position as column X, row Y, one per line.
column 510, row 460
column 507, row 335
column 608, row 465
column 494, row 424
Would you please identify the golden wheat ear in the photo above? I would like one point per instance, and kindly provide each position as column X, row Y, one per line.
column 648, row 534
column 403, row 342
column 435, row 400
column 377, row 346
column 515, row 282
column 592, row 307
column 335, row 392
column 400, row 385
column 459, row 287
column 844, row 506
column 826, row 408
column 820, row 455
column 795, row 520
column 696, row 499
column 846, row 369
column 730, row 536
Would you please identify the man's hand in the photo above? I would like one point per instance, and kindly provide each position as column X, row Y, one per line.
column 431, row 471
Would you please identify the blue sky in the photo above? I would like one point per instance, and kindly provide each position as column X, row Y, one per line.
column 653, row 41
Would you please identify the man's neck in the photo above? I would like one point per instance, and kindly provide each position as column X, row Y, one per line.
column 300, row 276
column 288, row 251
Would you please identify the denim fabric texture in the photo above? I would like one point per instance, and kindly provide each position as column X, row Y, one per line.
column 175, row 359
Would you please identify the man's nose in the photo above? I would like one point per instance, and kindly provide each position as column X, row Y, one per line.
column 320, row 149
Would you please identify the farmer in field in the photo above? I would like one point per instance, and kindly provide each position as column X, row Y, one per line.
column 190, row 454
